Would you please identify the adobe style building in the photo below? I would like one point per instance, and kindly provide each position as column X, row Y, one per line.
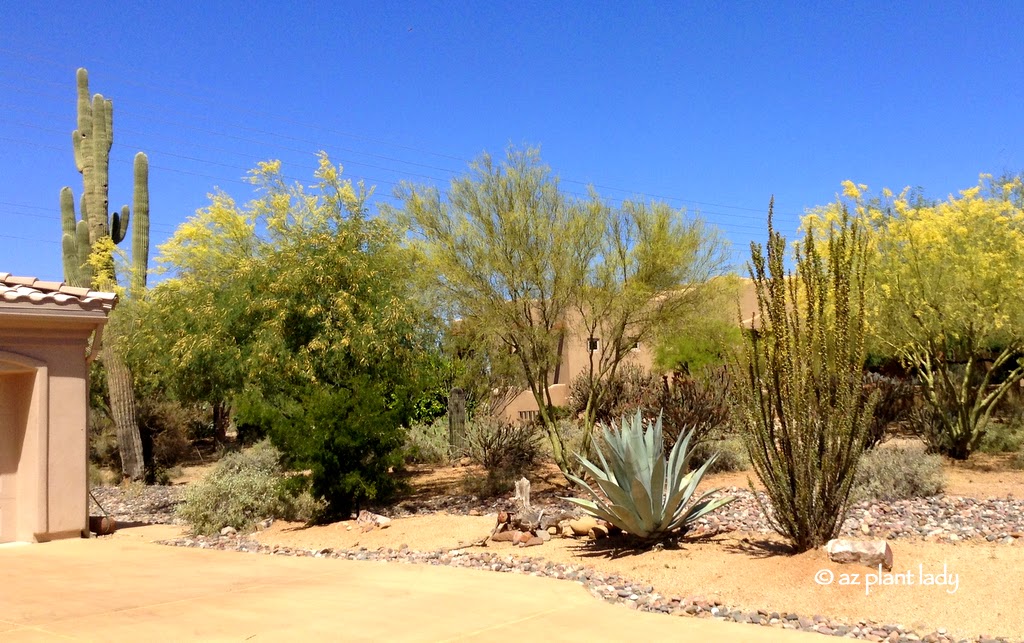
column 576, row 349
column 48, row 330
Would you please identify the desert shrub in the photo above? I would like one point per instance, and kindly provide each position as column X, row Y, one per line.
column 1017, row 462
column 427, row 442
column 505, row 450
column 96, row 477
column 699, row 404
column 103, row 449
column 894, row 404
column 168, row 428
column 244, row 488
column 803, row 414
column 641, row 493
column 631, row 387
column 898, row 473
column 730, row 454
column 1002, row 437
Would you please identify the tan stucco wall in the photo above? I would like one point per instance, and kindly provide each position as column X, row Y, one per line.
column 576, row 357
column 44, row 375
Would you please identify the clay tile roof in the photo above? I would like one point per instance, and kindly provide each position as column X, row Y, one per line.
column 19, row 290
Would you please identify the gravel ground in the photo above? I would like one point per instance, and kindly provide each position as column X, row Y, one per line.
column 942, row 518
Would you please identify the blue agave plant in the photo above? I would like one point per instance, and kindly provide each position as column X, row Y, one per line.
column 645, row 494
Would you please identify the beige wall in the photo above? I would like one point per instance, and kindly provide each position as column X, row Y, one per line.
column 575, row 357
column 43, row 394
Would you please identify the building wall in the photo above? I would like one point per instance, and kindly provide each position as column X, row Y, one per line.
column 44, row 387
column 575, row 356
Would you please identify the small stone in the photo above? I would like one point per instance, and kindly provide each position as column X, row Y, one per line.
column 228, row 531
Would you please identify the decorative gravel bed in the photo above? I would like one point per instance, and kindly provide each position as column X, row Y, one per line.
column 941, row 518
column 154, row 505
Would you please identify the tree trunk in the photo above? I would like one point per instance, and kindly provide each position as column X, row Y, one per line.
column 220, row 422
column 457, row 422
column 122, row 408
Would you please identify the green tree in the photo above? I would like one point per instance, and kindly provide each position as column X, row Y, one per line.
column 803, row 414
column 530, row 265
column 708, row 336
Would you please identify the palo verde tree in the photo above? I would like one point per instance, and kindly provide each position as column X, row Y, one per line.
column 530, row 266
column 803, row 414
column 88, row 246
column 296, row 311
column 950, row 305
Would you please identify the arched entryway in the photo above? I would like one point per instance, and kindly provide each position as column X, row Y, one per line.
column 23, row 440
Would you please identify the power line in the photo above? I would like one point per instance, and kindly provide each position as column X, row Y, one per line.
column 231, row 105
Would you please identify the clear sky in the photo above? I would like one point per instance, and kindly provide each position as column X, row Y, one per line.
column 714, row 106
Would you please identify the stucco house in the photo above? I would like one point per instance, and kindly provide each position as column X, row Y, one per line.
column 48, row 331
column 575, row 353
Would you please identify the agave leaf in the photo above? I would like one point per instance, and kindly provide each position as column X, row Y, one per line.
column 642, row 505
column 658, row 488
column 701, row 508
column 616, row 494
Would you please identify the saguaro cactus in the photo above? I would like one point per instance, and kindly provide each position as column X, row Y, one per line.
column 92, row 141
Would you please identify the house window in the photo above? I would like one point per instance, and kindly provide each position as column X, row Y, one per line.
column 593, row 344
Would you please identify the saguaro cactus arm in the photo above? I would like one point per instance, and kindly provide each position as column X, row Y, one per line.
column 140, row 233
column 75, row 245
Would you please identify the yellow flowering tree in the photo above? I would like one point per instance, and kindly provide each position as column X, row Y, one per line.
column 950, row 305
column 295, row 314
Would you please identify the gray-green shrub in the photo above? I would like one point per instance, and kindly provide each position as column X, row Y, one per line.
column 427, row 443
column 243, row 489
column 898, row 473
column 730, row 455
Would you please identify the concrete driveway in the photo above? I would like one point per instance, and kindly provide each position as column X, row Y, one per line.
column 127, row 588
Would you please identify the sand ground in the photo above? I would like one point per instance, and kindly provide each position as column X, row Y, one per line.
column 981, row 592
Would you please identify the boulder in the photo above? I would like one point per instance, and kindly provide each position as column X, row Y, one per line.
column 865, row 552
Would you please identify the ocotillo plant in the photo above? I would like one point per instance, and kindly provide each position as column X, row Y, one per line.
column 92, row 141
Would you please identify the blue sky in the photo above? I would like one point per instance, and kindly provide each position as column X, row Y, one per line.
column 710, row 106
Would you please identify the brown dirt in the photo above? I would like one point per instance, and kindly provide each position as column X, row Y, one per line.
column 748, row 571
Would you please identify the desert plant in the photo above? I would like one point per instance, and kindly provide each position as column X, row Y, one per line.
column 499, row 445
column 87, row 246
column 244, row 488
column 645, row 495
column 895, row 400
column 506, row 451
column 730, row 454
column 898, row 473
column 698, row 403
column 630, row 388
column 804, row 418
column 1003, row 437
column 427, row 442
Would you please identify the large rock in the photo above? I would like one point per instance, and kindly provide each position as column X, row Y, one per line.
column 866, row 552
column 582, row 526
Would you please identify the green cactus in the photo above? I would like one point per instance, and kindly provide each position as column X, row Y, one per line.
column 91, row 142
